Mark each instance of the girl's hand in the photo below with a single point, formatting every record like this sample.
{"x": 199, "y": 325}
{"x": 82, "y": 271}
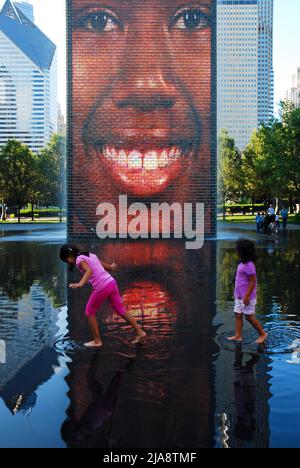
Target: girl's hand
{"x": 75, "y": 286}
{"x": 247, "y": 300}
{"x": 114, "y": 267}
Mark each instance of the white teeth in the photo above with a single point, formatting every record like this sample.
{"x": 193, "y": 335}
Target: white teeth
{"x": 135, "y": 160}
{"x": 151, "y": 161}
{"x": 122, "y": 158}
{"x": 173, "y": 153}
{"x": 178, "y": 153}
{"x": 163, "y": 159}
{"x": 109, "y": 153}
{"x": 113, "y": 153}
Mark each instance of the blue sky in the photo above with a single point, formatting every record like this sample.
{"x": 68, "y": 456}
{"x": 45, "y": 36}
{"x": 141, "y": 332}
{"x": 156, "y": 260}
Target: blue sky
{"x": 286, "y": 44}
{"x": 50, "y": 17}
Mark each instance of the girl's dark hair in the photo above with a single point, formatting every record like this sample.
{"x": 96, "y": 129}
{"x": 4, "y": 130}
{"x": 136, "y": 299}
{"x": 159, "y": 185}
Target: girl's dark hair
{"x": 68, "y": 250}
{"x": 246, "y": 250}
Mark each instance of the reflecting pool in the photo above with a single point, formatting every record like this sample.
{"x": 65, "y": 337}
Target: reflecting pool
{"x": 185, "y": 386}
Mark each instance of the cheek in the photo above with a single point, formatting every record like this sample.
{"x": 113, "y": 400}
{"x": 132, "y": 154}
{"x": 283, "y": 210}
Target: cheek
{"x": 191, "y": 59}
{"x": 95, "y": 62}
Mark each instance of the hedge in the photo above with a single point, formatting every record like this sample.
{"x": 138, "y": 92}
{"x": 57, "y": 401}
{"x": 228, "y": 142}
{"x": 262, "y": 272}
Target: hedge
{"x": 234, "y": 209}
{"x": 297, "y": 218}
{"x": 42, "y": 213}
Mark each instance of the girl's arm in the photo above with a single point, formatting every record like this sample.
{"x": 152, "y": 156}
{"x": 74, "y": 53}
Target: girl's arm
{"x": 250, "y": 289}
{"x": 109, "y": 267}
{"x": 85, "y": 278}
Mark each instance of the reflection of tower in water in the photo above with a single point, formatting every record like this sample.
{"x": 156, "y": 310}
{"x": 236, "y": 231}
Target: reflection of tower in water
{"x": 31, "y": 319}
{"x": 29, "y": 354}
{"x": 158, "y": 394}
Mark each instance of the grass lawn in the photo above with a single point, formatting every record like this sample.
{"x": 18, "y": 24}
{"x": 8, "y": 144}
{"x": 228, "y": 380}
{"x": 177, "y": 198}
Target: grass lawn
{"x": 237, "y": 218}
{"x": 247, "y": 219}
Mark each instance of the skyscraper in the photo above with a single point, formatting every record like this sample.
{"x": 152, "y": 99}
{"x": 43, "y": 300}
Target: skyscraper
{"x": 61, "y": 124}
{"x": 28, "y": 79}
{"x": 245, "y": 67}
{"x": 265, "y": 61}
{"x": 26, "y": 8}
{"x": 295, "y": 90}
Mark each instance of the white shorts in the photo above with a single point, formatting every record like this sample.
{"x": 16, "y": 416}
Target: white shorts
{"x": 241, "y": 308}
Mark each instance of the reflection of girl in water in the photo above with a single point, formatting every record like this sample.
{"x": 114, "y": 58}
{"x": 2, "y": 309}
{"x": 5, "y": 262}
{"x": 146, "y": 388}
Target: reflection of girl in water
{"x": 104, "y": 287}
{"x": 245, "y": 395}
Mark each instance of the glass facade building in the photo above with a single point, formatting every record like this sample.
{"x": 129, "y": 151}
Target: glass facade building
{"x": 28, "y": 80}
{"x": 265, "y": 61}
{"x": 295, "y": 90}
{"x": 245, "y": 67}
{"x": 26, "y": 8}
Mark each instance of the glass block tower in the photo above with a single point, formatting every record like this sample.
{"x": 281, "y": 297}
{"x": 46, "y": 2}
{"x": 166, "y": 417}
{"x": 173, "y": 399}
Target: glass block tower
{"x": 245, "y": 67}
{"x": 28, "y": 80}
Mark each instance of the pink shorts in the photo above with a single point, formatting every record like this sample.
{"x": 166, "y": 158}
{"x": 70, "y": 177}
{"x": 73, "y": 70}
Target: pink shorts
{"x": 109, "y": 292}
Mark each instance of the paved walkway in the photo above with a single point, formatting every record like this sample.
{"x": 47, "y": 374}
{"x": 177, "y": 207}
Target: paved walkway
{"x": 32, "y": 226}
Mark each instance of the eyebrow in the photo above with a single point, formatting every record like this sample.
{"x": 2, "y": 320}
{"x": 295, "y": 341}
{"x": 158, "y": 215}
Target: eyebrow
{"x": 79, "y": 6}
{"x": 206, "y": 3}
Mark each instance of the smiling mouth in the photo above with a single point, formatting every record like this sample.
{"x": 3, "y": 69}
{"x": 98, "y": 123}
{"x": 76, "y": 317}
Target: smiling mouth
{"x": 144, "y": 171}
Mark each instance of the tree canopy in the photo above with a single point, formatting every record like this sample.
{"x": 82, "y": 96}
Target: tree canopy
{"x": 269, "y": 167}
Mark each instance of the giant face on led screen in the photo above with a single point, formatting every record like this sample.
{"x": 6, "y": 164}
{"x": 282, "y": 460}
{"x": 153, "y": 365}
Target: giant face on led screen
{"x": 141, "y": 121}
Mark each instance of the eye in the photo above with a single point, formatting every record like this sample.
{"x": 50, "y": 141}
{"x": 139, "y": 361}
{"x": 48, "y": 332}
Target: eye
{"x": 191, "y": 20}
{"x": 101, "y": 21}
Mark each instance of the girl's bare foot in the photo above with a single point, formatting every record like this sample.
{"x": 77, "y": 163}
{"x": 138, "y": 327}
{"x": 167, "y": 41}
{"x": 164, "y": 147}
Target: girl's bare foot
{"x": 94, "y": 344}
{"x": 139, "y": 337}
{"x": 235, "y": 338}
{"x": 262, "y": 339}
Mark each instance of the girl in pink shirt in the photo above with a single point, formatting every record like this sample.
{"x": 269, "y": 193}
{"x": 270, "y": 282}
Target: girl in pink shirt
{"x": 245, "y": 291}
{"x": 104, "y": 286}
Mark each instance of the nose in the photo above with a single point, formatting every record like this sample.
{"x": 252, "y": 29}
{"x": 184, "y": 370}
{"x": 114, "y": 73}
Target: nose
{"x": 145, "y": 80}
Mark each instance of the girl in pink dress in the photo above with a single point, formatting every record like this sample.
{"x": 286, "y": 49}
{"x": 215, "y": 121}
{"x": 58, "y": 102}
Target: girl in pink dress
{"x": 104, "y": 286}
{"x": 245, "y": 291}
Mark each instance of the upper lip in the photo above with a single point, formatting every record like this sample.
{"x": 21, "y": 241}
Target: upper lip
{"x": 144, "y": 139}
{"x": 130, "y": 129}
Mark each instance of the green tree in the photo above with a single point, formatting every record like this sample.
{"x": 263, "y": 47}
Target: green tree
{"x": 18, "y": 170}
{"x": 271, "y": 160}
{"x": 34, "y": 189}
{"x": 230, "y": 176}
{"x": 289, "y": 163}
{"x": 269, "y": 166}
{"x": 52, "y": 168}
{"x": 260, "y": 164}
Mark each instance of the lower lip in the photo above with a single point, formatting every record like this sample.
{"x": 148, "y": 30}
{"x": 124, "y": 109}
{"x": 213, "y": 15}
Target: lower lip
{"x": 143, "y": 173}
